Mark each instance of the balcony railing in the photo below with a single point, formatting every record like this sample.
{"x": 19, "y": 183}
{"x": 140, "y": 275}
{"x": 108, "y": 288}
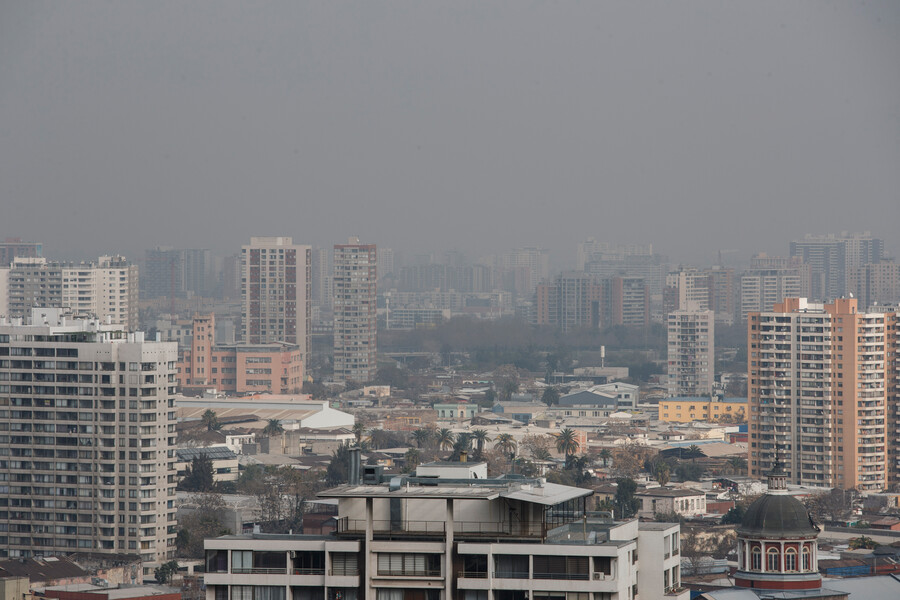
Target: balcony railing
{"x": 346, "y": 525}
{"x": 260, "y": 571}
{"x": 309, "y": 571}
{"x": 472, "y": 574}
{"x": 565, "y": 576}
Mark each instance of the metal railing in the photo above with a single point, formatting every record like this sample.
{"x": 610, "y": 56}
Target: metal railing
{"x": 309, "y": 571}
{"x": 564, "y": 576}
{"x": 346, "y": 525}
{"x": 472, "y": 575}
{"x": 260, "y": 571}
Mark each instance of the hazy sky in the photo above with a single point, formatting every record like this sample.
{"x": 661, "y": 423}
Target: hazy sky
{"x": 433, "y": 125}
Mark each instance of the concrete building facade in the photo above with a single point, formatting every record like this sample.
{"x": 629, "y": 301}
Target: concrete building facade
{"x": 88, "y": 458}
{"x": 691, "y": 352}
{"x": 107, "y": 288}
{"x": 486, "y": 540}
{"x": 275, "y": 292}
{"x": 823, "y": 393}
{"x": 355, "y": 311}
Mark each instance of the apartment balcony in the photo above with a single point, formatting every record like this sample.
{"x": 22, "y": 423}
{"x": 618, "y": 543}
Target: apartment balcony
{"x": 386, "y": 529}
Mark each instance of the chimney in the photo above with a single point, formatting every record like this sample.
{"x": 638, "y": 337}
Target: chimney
{"x": 463, "y": 456}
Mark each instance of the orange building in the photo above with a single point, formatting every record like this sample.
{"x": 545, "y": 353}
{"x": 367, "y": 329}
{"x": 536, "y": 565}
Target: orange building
{"x": 822, "y": 387}
{"x": 237, "y": 368}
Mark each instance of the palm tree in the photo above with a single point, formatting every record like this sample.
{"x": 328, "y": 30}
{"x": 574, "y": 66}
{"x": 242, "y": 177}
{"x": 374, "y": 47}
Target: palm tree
{"x": 694, "y": 451}
{"x": 445, "y": 438}
{"x": 273, "y": 427}
{"x": 506, "y": 442}
{"x": 567, "y": 444}
{"x": 605, "y": 455}
{"x": 211, "y": 421}
{"x": 422, "y": 437}
{"x": 480, "y": 436}
{"x": 737, "y": 464}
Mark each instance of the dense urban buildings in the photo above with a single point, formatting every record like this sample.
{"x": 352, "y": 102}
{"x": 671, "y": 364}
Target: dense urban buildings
{"x": 692, "y": 352}
{"x": 355, "y": 311}
{"x": 106, "y": 288}
{"x": 87, "y": 460}
{"x": 771, "y": 279}
{"x": 275, "y": 292}
{"x": 823, "y": 392}
{"x": 830, "y": 259}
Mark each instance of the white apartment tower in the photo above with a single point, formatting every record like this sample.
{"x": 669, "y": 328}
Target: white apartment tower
{"x": 355, "y": 275}
{"x": 87, "y": 457}
{"x": 275, "y": 292}
{"x": 692, "y": 352}
{"x": 107, "y": 288}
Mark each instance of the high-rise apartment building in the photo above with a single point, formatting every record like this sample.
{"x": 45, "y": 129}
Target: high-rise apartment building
{"x": 831, "y": 258}
{"x": 570, "y": 302}
{"x": 173, "y": 272}
{"x": 533, "y": 265}
{"x": 875, "y": 284}
{"x": 769, "y": 280}
{"x": 275, "y": 288}
{"x": 822, "y": 382}
{"x": 12, "y": 248}
{"x": 355, "y": 276}
{"x": 692, "y": 352}
{"x": 106, "y": 289}
{"x": 87, "y": 457}
{"x": 320, "y": 278}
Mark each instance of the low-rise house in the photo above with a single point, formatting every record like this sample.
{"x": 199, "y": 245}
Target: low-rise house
{"x": 683, "y": 502}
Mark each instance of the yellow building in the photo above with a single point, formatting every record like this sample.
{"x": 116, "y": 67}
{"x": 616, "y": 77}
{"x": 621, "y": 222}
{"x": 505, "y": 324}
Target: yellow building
{"x": 680, "y": 409}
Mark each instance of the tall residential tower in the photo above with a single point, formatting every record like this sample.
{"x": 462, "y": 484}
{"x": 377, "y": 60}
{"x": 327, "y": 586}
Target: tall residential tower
{"x": 355, "y": 275}
{"x": 822, "y": 382}
{"x": 275, "y": 289}
{"x": 87, "y": 460}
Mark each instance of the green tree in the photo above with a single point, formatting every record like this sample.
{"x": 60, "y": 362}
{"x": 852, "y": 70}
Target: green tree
{"x": 662, "y": 473}
{"x": 550, "y": 396}
{"x": 506, "y": 443}
{"x": 693, "y": 452}
{"x": 604, "y": 455}
{"x": 445, "y": 438}
{"x": 490, "y": 396}
{"x": 462, "y": 444}
{"x": 198, "y": 476}
{"x": 862, "y": 542}
{"x": 567, "y": 444}
{"x": 391, "y": 375}
{"x": 689, "y": 471}
{"x": 165, "y": 572}
{"x": 624, "y": 501}
{"x": 734, "y": 516}
{"x": 203, "y": 518}
{"x": 480, "y": 437}
{"x": 338, "y": 470}
{"x": 737, "y": 464}
{"x": 412, "y": 459}
{"x": 359, "y": 428}
{"x": 316, "y": 390}
{"x": 211, "y": 421}
{"x": 423, "y": 437}
{"x": 273, "y": 427}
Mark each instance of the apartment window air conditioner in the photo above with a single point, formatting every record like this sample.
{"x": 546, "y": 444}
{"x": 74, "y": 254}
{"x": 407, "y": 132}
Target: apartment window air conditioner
{"x": 598, "y": 576}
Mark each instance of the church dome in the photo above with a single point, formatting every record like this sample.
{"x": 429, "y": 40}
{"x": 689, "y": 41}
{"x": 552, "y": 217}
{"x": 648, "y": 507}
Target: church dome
{"x": 778, "y": 517}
